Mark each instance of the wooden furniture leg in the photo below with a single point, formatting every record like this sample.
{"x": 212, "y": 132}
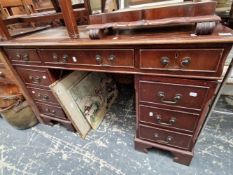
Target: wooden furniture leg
{"x": 69, "y": 18}
{"x": 184, "y": 159}
{"x": 179, "y": 156}
{"x": 5, "y": 35}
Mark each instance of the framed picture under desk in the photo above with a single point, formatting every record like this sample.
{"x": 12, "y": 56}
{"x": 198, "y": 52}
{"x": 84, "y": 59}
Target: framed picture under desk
{"x": 176, "y": 75}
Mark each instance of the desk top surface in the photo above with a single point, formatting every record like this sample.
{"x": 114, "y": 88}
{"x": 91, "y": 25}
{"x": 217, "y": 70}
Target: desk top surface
{"x": 59, "y": 37}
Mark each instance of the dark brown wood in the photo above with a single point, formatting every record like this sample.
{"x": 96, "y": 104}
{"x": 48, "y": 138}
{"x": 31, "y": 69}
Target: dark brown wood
{"x": 139, "y": 54}
{"x": 175, "y": 93}
{"x": 91, "y": 57}
{"x": 42, "y": 95}
{"x": 69, "y": 18}
{"x": 4, "y": 33}
{"x": 51, "y": 110}
{"x": 56, "y": 5}
{"x": 87, "y": 6}
{"x": 164, "y": 137}
{"x": 190, "y": 61}
{"x": 39, "y": 77}
{"x": 28, "y": 56}
{"x": 183, "y": 10}
{"x": 200, "y": 13}
{"x": 167, "y": 118}
{"x": 180, "y": 156}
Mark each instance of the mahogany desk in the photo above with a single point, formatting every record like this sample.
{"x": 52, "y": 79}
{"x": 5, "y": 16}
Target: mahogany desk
{"x": 176, "y": 77}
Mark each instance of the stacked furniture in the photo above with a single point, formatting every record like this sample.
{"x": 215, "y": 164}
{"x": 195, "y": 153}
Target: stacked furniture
{"x": 177, "y": 75}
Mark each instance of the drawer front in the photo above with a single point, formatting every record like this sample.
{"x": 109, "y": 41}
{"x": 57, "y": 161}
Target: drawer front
{"x": 189, "y": 60}
{"x": 168, "y": 118}
{"x": 23, "y": 56}
{"x": 5, "y": 75}
{"x": 165, "y": 137}
{"x": 91, "y": 57}
{"x": 182, "y": 95}
{"x": 52, "y": 111}
{"x": 43, "y": 95}
{"x": 34, "y": 77}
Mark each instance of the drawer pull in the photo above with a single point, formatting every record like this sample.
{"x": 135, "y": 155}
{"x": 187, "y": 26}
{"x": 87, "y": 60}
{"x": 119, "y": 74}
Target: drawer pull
{"x": 174, "y": 101}
{"x": 98, "y": 59}
{"x": 50, "y": 111}
{"x": 36, "y": 79}
{"x": 65, "y": 58}
{"x": 171, "y": 122}
{"x": 45, "y": 97}
{"x": 168, "y": 140}
{"x": 165, "y": 61}
{"x": 18, "y": 56}
{"x": 25, "y": 57}
{"x": 53, "y": 111}
{"x": 186, "y": 61}
{"x": 112, "y": 58}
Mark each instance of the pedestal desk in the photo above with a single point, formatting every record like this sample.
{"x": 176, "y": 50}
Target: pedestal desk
{"x": 176, "y": 77}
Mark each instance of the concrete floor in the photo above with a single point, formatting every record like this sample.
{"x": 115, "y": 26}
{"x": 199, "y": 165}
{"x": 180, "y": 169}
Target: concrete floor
{"x": 45, "y": 150}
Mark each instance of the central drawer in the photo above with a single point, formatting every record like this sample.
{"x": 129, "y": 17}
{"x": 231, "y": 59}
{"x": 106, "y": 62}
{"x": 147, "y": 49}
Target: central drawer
{"x": 165, "y": 137}
{"x": 179, "y": 93}
{"x": 89, "y": 57}
{"x": 191, "y": 61}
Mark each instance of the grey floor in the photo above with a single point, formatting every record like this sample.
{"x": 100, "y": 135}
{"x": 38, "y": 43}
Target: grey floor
{"x": 46, "y": 150}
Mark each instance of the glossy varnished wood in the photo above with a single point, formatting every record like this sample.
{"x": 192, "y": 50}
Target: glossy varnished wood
{"x": 188, "y": 61}
{"x": 51, "y": 110}
{"x": 167, "y": 118}
{"x": 42, "y": 95}
{"x": 89, "y": 57}
{"x": 23, "y": 56}
{"x": 138, "y": 53}
{"x": 59, "y": 37}
{"x": 175, "y": 93}
{"x": 165, "y": 137}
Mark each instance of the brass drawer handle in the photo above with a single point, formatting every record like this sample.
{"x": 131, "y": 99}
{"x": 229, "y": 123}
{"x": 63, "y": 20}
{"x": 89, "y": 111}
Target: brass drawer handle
{"x": 50, "y": 111}
{"x": 36, "y": 79}
{"x": 112, "y": 58}
{"x": 65, "y": 58}
{"x": 171, "y": 122}
{"x": 25, "y": 57}
{"x": 175, "y": 100}
{"x": 168, "y": 140}
{"x": 98, "y": 59}
{"x": 186, "y": 61}
{"x": 158, "y": 118}
{"x": 45, "y": 97}
{"x": 18, "y": 56}
{"x": 165, "y": 61}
